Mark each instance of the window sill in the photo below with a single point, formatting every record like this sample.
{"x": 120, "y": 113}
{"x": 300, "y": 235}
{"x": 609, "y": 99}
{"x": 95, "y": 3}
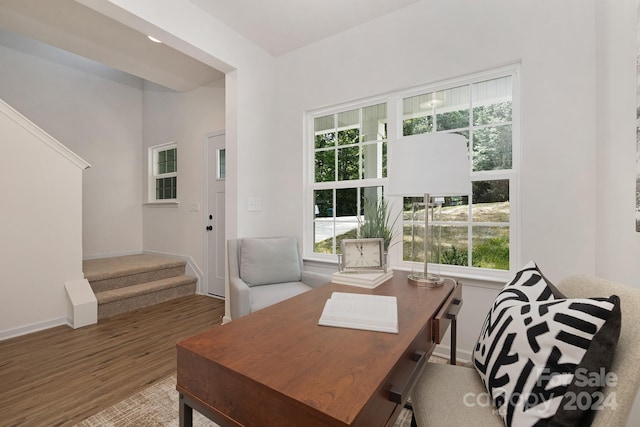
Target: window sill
{"x": 490, "y": 279}
{"x": 167, "y": 204}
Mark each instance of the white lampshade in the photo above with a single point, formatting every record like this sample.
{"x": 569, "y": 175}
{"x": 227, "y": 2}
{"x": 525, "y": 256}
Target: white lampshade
{"x": 433, "y": 163}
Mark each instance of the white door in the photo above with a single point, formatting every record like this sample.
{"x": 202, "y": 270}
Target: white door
{"x": 215, "y": 214}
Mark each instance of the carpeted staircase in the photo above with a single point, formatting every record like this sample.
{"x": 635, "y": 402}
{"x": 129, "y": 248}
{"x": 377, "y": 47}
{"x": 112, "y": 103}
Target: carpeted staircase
{"x": 126, "y": 283}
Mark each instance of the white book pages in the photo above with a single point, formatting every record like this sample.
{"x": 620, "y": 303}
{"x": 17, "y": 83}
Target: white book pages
{"x": 360, "y": 311}
{"x": 363, "y": 280}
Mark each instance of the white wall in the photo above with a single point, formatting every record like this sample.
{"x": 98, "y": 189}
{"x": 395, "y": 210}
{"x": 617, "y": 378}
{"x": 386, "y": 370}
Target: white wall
{"x": 97, "y": 113}
{"x": 46, "y": 206}
{"x": 185, "y": 118}
{"x": 618, "y": 245}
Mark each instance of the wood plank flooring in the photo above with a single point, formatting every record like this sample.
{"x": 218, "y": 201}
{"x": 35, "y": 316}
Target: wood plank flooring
{"x": 61, "y": 376}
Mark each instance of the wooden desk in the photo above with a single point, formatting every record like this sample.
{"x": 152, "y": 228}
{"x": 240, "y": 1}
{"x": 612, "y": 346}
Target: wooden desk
{"x": 277, "y": 367}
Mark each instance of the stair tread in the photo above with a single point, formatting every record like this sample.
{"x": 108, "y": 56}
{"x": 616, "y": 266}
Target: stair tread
{"x": 143, "y": 288}
{"x": 108, "y": 268}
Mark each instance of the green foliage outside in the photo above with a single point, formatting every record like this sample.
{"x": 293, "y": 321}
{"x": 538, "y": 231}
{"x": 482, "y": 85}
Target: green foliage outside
{"x": 491, "y": 130}
{"x": 490, "y": 253}
{"x": 490, "y": 244}
{"x": 377, "y": 221}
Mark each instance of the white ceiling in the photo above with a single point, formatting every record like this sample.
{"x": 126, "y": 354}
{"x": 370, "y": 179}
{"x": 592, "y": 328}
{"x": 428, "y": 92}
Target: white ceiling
{"x": 280, "y": 26}
{"x": 277, "y": 26}
{"x": 73, "y": 27}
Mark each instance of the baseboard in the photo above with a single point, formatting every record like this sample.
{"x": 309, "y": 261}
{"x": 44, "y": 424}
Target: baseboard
{"x": 444, "y": 351}
{"x": 34, "y": 327}
{"x": 110, "y": 255}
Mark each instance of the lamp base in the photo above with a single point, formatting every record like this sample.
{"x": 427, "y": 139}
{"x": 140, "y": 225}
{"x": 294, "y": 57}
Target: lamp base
{"x": 426, "y": 280}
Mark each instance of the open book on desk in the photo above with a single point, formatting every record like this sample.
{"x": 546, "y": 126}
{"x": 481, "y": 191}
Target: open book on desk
{"x": 361, "y": 311}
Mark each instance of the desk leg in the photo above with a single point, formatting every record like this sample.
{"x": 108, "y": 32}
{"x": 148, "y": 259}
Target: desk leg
{"x": 454, "y": 336}
{"x": 186, "y": 413}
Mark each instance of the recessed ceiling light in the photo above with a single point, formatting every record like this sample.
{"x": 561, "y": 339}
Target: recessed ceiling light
{"x": 153, "y": 39}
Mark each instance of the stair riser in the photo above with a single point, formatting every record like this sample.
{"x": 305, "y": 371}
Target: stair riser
{"x": 135, "y": 279}
{"x": 145, "y": 300}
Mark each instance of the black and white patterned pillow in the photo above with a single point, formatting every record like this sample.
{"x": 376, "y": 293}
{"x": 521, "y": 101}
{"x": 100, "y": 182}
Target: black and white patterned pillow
{"x": 532, "y": 343}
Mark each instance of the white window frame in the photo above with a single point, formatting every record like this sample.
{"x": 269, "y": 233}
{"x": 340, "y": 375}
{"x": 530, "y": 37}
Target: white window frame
{"x": 512, "y": 175}
{"x": 309, "y": 168}
{"x": 394, "y": 133}
{"x": 153, "y": 174}
{"x": 221, "y": 169}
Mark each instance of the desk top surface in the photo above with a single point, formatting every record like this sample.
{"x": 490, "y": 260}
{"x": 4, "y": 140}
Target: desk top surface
{"x": 334, "y": 370}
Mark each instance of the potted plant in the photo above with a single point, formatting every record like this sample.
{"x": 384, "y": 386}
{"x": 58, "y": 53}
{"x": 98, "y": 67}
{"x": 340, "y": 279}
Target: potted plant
{"x": 376, "y": 221}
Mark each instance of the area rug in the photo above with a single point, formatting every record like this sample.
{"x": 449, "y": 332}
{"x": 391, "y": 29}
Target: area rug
{"x": 157, "y": 405}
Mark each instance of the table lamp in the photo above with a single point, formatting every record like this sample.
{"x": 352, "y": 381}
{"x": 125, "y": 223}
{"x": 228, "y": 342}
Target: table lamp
{"x": 425, "y": 164}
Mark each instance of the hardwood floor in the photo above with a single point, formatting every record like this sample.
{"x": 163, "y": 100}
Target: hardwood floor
{"x": 61, "y": 376}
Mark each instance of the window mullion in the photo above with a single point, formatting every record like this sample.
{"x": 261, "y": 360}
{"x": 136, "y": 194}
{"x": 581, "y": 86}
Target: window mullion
{"x": 336, "y": 151}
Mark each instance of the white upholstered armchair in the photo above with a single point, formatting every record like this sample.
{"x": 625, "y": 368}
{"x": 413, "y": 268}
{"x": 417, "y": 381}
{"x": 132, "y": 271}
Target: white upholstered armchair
{"x": 264, "y": 271}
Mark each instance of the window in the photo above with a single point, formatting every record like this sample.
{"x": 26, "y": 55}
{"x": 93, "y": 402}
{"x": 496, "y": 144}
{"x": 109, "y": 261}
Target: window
{"x": 163, "y": 169}
{"x": 222, "y": 163}
{"x": 475, "y": 231}
{"x": 347, "y": 163}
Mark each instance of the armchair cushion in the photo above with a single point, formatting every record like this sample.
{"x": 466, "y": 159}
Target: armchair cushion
{"x": 536, "y": 345}
{"x": 264, "y": 271}
{"x": 267, "y": 261}
{"x": 264, "y": 296}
